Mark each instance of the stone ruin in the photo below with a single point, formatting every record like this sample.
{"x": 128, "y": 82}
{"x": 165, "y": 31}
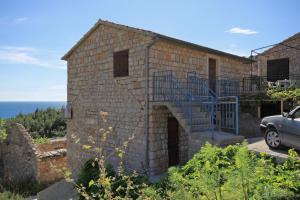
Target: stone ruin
{"x": 22, "y": 160}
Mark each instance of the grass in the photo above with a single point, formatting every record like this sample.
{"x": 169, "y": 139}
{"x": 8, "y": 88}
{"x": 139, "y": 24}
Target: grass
{"x": 17, "y": 191}
{"x": 7, "y": 195}
{"x": 41, "y": 140}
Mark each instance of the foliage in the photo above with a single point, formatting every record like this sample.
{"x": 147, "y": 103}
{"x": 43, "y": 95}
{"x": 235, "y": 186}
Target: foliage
{"x": 43, "y": 123}
{"x": 278, "y": 93}
{"x": 214, "y": 173}
{"x": 16, "y": 191}
{"x": 41, "y": 140}
{"x": 96, "y": 179}
{"x": 6, "y": 195}
{"x": 3, "y": 133}
{"x": 105, "y": 183}
{"x": 234, "y": 173}
{"x": 231, "y": 173}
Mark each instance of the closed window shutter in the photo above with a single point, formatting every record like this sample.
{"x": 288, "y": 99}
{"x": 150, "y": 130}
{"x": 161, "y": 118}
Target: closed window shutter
{"x": 278, "y": 69}
{"x": 121, "y": 63}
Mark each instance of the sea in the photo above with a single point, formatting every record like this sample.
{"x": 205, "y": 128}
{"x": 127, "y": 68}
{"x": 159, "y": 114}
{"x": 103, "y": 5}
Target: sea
{"x": 12, "y": 109}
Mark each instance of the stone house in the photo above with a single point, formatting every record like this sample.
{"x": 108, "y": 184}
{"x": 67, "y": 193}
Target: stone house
{"x": 281, "y": 61}
{"x": 140, "y": 79}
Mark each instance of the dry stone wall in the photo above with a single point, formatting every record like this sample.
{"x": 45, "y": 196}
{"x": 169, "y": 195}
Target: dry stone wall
{"x": 23, "y": 160}
{"x": 19, "y": 155}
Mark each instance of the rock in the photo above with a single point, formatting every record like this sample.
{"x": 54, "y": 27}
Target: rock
{"x": 59, "y": 191}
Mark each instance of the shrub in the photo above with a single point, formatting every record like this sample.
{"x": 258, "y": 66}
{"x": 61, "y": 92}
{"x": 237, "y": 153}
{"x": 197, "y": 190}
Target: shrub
{"x": 6, "y": 195}
{"x": 104, "y": 183}
{"x": 43, "y": 123}
{"x": 3, "y": 133}
{"x": 19, "y": 190}
{"x": 234, "y": 173}
{"x": 41, "y": 140}
{"x": 279, "y": 93}
{"x": 214, "y": 173}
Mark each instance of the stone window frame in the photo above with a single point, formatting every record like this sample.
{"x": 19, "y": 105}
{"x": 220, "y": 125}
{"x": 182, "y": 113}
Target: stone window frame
{"x": 121, "y": 63}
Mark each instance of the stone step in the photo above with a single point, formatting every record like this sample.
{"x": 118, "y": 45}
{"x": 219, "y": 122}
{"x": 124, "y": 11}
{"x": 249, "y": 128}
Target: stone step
{"x": 200, "y": 127}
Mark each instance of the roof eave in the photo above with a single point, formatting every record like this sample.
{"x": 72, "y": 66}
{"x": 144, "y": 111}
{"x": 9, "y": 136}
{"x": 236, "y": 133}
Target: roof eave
{"x": 205, "y": 49}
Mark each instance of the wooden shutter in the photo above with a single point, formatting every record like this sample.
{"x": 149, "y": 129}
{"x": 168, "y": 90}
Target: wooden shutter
{"x": 121, "y": 63}
{"x": 278, "y": 69}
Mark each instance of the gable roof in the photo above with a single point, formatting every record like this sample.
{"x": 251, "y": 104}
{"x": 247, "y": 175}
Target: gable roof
{"x": 154, "y": 35}
{"x": 291, "y": 38}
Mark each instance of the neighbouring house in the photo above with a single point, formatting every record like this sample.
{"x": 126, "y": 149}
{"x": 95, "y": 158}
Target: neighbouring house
{"x": 282, "y": 60}
{"x": 279, "y": 63}
{"x": 169, "y": 96}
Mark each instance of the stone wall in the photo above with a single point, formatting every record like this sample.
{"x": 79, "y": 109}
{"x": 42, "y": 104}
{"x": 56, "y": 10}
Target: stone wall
{"x": 281, "y": 51}
{"x": 165, "y": 55}
{"x": 158, "y": 147}
{"x": 92, "y": 89}
{"x": 51, "y": 166}
{"x": 23, "y": 160}
{"x": 19, "y": 155}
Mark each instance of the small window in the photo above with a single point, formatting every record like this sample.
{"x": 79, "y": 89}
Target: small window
{"x": 121, "y": 63}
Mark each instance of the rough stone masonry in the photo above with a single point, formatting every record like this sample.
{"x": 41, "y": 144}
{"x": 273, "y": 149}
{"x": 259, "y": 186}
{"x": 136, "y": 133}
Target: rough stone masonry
{"x": 92, "y": 89}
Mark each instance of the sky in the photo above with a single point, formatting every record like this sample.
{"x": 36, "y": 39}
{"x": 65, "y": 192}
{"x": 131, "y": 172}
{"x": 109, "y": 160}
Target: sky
{"x": 34, "y": 34}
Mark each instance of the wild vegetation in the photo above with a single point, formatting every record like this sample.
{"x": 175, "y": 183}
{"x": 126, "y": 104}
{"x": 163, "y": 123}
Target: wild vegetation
{"x": 42, "y": 123}
{"x": 278, "y": 94}
{"x": 18, "y": 191}
{"x": 3, "y": 133}
{"x": 213, "y": 173}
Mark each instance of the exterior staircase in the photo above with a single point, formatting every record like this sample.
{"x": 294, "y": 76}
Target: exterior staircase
{"x": 202, "y": 113}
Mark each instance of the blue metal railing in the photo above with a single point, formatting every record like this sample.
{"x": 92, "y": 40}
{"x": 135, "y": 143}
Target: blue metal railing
{"x": 204, "y": 108}
{"x": 227, "y": 87}
{"x": 167, "y": 88}
{"x": 224, "y": 115}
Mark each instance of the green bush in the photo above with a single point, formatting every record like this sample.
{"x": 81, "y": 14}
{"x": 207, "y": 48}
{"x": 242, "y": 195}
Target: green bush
{"x": 215, "y": 173}
{"x": 41, "y": 140}
{"x": 279, "y": 93}
{"x": 94, "y": 180}
{"x": 6, "y": 195}
{"x": 19, "y": 190}
{"x": 43, "y": 123}
{"x": 3, "y": 133}
{"x": 234, "y": 173}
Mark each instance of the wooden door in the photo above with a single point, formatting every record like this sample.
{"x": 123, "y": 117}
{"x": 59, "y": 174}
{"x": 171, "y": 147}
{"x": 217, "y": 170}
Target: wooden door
{"x": 173, "y": 141}
{"x": 212, "y": 74}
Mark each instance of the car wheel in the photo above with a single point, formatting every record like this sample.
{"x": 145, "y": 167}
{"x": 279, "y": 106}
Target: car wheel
{"x": 272, "y": 138}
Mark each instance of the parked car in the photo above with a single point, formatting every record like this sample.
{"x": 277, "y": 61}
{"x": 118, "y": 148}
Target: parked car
{"x": 282, "y": 130}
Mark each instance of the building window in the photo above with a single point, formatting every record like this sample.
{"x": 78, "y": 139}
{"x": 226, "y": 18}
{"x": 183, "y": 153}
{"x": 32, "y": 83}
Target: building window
{"x": 121, "y": 63}
{"x": 278, "y": 69}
